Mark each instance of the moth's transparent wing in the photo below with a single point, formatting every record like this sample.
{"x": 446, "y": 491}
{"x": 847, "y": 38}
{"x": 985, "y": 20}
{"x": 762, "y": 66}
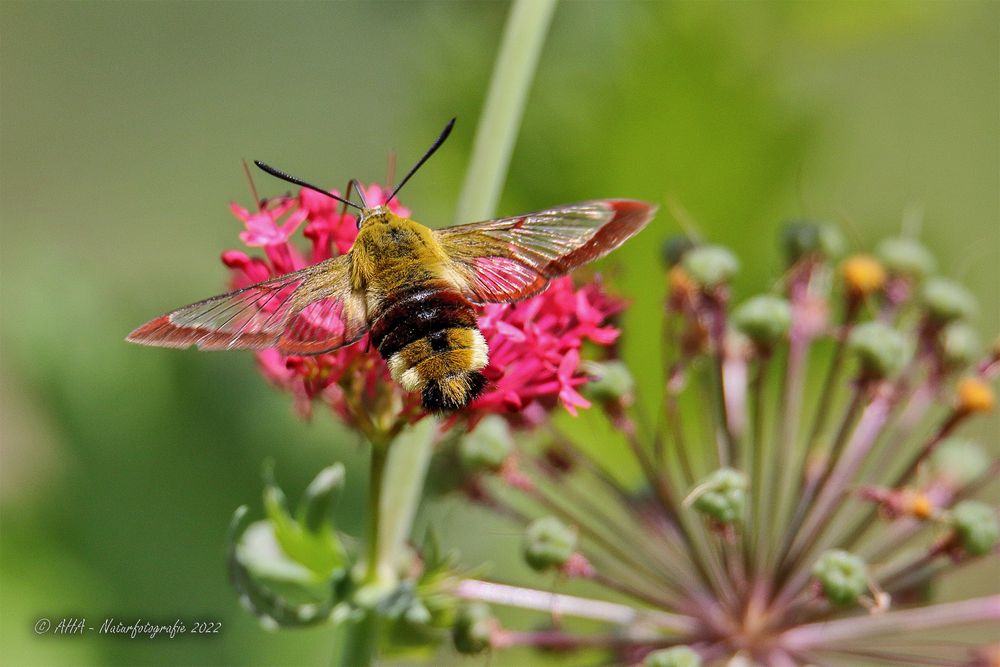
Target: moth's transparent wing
{"x": 305, "y": 312}
{"x": 513, "y": 258}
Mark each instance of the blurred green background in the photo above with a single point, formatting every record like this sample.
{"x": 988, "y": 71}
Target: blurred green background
{"x": 121, "y": 130}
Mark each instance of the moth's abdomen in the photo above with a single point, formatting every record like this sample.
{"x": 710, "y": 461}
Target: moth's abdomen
{"x": 429, "y": 337}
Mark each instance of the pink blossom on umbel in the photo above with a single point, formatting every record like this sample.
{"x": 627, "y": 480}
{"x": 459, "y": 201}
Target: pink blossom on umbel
{"x": 535, "y": 345}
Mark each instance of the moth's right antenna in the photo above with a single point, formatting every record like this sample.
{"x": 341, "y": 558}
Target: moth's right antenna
{"x": 430, "y": 151}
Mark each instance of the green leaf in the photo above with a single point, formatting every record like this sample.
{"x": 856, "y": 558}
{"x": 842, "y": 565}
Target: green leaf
{"x": 319, "y": 551}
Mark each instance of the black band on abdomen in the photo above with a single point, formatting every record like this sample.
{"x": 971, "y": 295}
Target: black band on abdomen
{"x": 416, "y": 314}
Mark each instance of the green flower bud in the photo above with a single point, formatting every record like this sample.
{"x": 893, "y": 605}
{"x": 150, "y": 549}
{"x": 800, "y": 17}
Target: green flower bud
{"x": 842, "y": 575}
{"x": 960, "y": 343}
{"x": 976, "y": 525}
{"x": 946, "y": 300}
{"x": 800, "y": 238}
{"x": 677, "y": 656}
{"x": 906, "y": 257}
{"x": 765, "y": 319}
{"x": 675, "y": 247}
{"x": 881, "y": 349}
{"x": 613, "y": 380}
{"x": 710, "y": 265}
{"x": 487, "y": 447}
{"x": 316, "y": 507}
{"x": 548, "y": 543}
{"x": 722, "y": 496}
{"x": 960, "y": 461}
{"x": 472, "y": 631}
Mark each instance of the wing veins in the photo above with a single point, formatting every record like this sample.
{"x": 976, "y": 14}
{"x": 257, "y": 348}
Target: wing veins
{"x": 260, "y": 307}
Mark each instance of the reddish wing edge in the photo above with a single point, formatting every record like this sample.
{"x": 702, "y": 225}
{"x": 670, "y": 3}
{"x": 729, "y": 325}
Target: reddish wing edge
{"x": 536, "y": 247}
{"x": 161, "y": 332}
{"x": 630, "y": 216}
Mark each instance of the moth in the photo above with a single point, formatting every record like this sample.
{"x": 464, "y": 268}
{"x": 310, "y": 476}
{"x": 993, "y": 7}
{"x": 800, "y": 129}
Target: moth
{"x": 411, "y": 288}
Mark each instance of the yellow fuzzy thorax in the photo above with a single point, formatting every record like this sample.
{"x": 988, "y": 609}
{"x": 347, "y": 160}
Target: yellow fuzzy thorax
{"x": 392, "y": 252}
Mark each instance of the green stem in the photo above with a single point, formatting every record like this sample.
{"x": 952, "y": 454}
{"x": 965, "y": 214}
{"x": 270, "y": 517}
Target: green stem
{"x": 814, "y": 483}
{"x": 520, "y": 48}
{"x": 830, "y": 385}
{"x": 358, "y": 641}
{"x": 403, "y": 483}
{"x": 396, "y": 479}
{"x": 380, "y": 454}
{"x": 759, "y": 453}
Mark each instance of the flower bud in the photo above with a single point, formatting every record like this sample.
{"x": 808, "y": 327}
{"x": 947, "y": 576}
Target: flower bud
{"x": 710, "y": 265}
{"x": 488, "y": 446}
{"x": 976, "y": 526}
{"x": 918, "y": 505}
{"x": 765, "y": 319}
{"x": 959, "y": 461}
{"x": 960, "y": 343}
{"x": 316, "y": 507}
{"x": 881, "y": 350}
{"x": 801, "y": 238}
{"x": 946, "y": 300}
{"x": 472, "y": 631}
{"x": 863, "y": 275}
{"x": 722, "y": 496}
{"x": 676, "y": 656}
{"x": 612, "y": 382}
{"x": 907, "y": 257}
{"x": 842, "y": 575}
{"x": 675, "y": 247}
{"x": 548, "y": 543}
{"x": 975, "y": 395}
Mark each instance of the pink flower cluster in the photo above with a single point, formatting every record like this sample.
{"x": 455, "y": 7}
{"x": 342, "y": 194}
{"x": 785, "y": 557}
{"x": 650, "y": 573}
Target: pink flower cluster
{"x": 535, "y": 348}
{"x": 534, "y": 345}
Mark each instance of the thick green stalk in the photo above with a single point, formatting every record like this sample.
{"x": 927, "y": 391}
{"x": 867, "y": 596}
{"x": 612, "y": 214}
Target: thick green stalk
{"x": 358, "y": 642}
{"x": 380, "y": 453}
{"x": 520, "y": 48}
{"x": 402, "y": 486}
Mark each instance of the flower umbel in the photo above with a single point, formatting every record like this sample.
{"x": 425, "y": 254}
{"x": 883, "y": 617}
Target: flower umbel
{"x": 775, "y": 526}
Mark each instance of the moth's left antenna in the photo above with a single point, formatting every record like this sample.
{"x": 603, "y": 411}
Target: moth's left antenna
{"x": 297, "y": 181}
{"x": 430, "y": 151}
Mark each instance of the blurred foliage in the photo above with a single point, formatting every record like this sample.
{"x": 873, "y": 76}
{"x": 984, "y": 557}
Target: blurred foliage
{"x": 121, "y": 130}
